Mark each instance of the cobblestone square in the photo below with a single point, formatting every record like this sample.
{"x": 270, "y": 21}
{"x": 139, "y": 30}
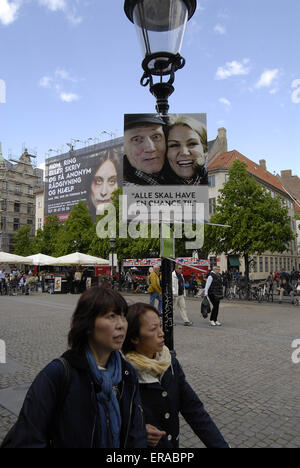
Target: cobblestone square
{"x": 243, "y": 371}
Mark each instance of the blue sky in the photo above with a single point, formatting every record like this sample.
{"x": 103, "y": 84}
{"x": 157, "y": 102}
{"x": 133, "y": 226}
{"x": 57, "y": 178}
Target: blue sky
{"x": 71, "y": 69}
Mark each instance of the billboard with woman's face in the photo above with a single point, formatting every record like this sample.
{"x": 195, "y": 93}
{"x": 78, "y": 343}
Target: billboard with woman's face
{"x": 90, "y": 174}
{"x": 165, "y": 160}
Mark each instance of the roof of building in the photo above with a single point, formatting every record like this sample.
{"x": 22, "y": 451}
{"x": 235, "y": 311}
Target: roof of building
{"x": 226, "y": 160}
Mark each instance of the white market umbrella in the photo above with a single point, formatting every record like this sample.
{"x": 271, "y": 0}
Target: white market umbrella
{"x": 14, "y": 259}
{"x": 78, "y": 258}
{"x": 41, "y": 259}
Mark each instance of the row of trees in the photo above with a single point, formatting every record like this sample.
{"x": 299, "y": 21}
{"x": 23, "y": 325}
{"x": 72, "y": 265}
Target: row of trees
{"x": 258, "y": 223}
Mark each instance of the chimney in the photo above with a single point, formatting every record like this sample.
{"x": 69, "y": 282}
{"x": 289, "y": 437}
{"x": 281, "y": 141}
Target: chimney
{"x": 222, "y": 140}
{"x": 287, "y": 173}
{"x": 263, "y": 164}
{"x": 2, "y": 162}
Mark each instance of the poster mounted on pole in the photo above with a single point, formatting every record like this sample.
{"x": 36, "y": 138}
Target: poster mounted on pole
{"x": 165, "y": 167}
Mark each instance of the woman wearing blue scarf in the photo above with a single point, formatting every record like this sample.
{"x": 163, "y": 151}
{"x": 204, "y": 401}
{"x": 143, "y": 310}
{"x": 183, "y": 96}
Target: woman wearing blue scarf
{"x": 101, "y": 406}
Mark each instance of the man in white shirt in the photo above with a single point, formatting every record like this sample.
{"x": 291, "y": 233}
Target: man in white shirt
{"x": 179, "y": 294}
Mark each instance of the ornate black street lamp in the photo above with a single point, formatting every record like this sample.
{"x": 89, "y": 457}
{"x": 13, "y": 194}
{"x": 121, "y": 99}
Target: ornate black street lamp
{"x": 160, "y": 25}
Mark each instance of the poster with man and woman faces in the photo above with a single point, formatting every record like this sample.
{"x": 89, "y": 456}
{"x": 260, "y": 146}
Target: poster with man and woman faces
{"x": 165, "y": 164}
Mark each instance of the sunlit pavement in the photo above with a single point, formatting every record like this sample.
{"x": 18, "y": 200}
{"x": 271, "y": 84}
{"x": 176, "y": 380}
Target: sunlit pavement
{"x": 243, "y": 371}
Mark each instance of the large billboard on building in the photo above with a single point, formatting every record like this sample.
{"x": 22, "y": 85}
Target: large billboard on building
{"x": 90, "y": 174}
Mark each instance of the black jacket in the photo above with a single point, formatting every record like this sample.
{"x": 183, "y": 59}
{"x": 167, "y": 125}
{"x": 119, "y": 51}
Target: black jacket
{"x": 77, "y": 424}
{"x": 162, "y": 403}
{"x": 216, "y": 287}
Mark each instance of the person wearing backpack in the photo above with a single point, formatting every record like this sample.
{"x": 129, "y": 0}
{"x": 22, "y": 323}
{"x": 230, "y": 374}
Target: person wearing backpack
{"x": 214, "y": 290}
{"x": 101, "y": 406}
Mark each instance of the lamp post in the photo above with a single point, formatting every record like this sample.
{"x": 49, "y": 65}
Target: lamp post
{"x": 160, "y": 26}
{"x": 112, "y": 243}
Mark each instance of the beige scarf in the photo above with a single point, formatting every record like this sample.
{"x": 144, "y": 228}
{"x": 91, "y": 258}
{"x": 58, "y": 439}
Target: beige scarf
{"x": 149, "y": 370}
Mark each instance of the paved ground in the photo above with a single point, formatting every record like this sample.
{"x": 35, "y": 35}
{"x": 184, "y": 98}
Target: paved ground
{"x": 242, "y": 371}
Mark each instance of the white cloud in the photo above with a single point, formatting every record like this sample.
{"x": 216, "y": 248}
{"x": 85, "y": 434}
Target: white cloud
{"x": 220, "y": 29}
{"x": 233, "y": 68}
{"x": 54, "y": 5}
{"x": 296, "y": 92}
{"x": 62, "y": 74}
{"x": 45, "y": 82}
{"x": 58, "y": 82}
{"x": 63, "y": 6}
{"x": 267, "y": 78}
{"x": 69, "y": 97}
{"x": 226, "y": 103}
{"x": 9, "y": 11}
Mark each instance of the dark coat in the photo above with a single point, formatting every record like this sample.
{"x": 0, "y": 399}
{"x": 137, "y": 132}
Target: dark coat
{"x": 162, "y": 403}
{"x": 77, "y": 424}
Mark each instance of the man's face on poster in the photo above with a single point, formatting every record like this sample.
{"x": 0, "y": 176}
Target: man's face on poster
{"x": 145, "y": 148}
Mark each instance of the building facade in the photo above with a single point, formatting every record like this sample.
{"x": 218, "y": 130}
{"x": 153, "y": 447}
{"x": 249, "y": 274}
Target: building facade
{"x": 18, "y": 183}
{"x": 267, "y": 262}
{"x": 39, "y": 209}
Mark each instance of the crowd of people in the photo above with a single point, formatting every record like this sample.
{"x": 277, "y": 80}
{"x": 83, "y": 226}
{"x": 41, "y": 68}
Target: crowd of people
{"x": 17, "y": 282}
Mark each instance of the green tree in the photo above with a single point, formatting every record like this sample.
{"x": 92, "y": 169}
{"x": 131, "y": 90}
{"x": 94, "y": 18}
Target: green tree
{"x": 23, "y": 242}
{"x": 45, "y": 240}
{"x": 77, "y": 233}
{"x": 258, "y": 221}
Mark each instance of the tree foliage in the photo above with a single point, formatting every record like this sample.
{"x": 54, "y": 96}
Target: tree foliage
{"x": 258, "y": 221}
{"x": 23, "y": 242}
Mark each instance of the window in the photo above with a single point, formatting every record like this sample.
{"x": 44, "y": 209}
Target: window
{"x": 18, "y": 188}
{"x": 254, "y": 265}
{"x": 284, "y": 263}
{"x": 272, "y": 264}
{"x": 39, "y": 202}
{"x": 3, "y": 223}
{"x": 30, "y": 190}
{"x": 227, "y": 177}
{"x": 261, "y": 265}
{"x": 17, "y": 207}
{"x": 4, "y": 185}
{"x": 276, "y": 263}
{"x": 266, "y": 264}
{"x": 280, "y": 263}
{"x": 3, "y": 205}
{"x": 289, "y": 264}
{"x": 29, "y": 221}
{"x": 16, "y": 224}
{"x": 40, "y": 224}
{"x": 212, "y": 205}
{"x": 30, "y": 209}
{"x": 211, "y": 181}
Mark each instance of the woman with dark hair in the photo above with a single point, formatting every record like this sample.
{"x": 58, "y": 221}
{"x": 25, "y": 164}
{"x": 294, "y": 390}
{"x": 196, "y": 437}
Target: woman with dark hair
{"x": 164, "y": 390}
{"x": 105, "y": 179}
{"x": 101, "y": 408}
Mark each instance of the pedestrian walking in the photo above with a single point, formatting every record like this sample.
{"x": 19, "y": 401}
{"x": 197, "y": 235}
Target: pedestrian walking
{"x": 285, "y": 289}
{"x": 214, "y": 290}
{"x": 179, "y": 294}
{"x": 102, "y": 406}
{"x": 164, "y": 389}
{"x": 155, "y": 288}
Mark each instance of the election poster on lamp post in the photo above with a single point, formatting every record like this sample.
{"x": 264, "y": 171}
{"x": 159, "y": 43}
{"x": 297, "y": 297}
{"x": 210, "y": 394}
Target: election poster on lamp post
{"x": 165, "y": 174}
